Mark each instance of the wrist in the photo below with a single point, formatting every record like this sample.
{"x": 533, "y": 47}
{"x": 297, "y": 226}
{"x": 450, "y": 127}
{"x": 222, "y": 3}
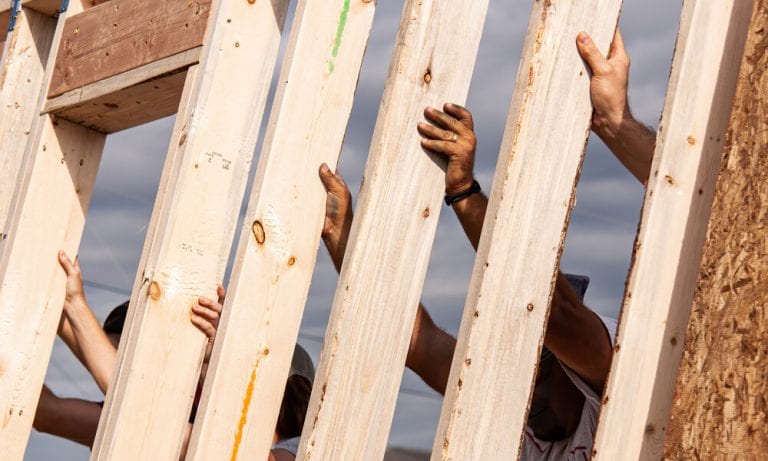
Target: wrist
{"x": 611, "y": 126}
{"x": 460, "y": 185}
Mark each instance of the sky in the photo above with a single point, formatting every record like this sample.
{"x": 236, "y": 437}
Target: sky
{"x": 600, "y": 236}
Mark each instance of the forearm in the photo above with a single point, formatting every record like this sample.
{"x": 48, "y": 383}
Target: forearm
{"x": 72, "y": 419}
{"x": 431, "y": 352}
{"x": 336, "y": 244}
{"x": 577, "y": 336}
{"x": 68, "y": 336}
{"x": 98, "y": 354}
{"x": 632, "y": 143}
{"x": 471, "y": 214}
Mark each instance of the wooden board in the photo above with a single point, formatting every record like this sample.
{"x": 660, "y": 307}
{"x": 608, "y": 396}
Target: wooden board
{"x": 21, "y": 78}
{"x": 124, "y": 34}
{"x": 271, "y": 279}
{"x": 487, "y": 397}
{"x": 49, "y": 217}
{"x": 190, "y": 234}
{"x": 718, "y": 411}
{"x": 363, "y": 357}
{"x": 673, "y": 225}
{"x": 114, "y": 84}
{"x": 5, "y": 19}
{"x": 132, "y": 106}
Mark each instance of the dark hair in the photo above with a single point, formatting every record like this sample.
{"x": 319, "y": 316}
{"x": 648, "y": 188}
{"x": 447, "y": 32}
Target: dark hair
{"x": 113, "y": 325}
{"x": 293, "y": 409}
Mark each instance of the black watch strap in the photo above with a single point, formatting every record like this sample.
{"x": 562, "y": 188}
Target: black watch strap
{"x": 473, "y": 189}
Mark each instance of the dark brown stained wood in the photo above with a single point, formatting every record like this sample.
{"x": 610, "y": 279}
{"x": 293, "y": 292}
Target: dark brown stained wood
{"x": 721, "y": 406}
{"x": 131, "y": 106}
{"x": 124, "y": 34}
{"x": 5, "y": 19}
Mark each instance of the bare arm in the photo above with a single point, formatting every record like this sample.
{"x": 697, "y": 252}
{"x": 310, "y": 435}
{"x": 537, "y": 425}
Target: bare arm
{"x": 93, "y": 347}
{"x": 72, "y": 419}
{"x": 629, "y": 140}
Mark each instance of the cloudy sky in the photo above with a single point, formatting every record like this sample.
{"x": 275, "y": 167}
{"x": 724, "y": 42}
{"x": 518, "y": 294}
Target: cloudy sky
{"x": 599, "y": 239}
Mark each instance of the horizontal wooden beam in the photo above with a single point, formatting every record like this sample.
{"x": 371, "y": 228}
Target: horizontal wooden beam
{"x": 129, "y": 99}
{"x": 113, "y": 38}
{"x": 49, "y": 7}
{"x": 133, "y": 106}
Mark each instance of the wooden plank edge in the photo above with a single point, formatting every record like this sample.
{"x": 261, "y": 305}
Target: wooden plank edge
{"x": 124, "y": 80}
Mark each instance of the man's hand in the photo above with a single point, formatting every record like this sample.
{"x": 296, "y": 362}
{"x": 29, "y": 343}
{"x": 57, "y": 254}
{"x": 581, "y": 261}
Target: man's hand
{"x": 205, "y": 316}
{"x": 608, "y": 85}
{"x": 75, "y": 297}
{"x": 612, "y": 120}
{"x": 338, "y": 214}
{"x": 451, "y": 135}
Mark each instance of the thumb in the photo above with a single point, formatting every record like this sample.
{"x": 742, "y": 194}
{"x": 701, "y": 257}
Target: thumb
{"x": 66, "y": 263}
{"x": 333, "y": 182}
{"x": 221, "y": 293}
{"x": 588, "y": 50}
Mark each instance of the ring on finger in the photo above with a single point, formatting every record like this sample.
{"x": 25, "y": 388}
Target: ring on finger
{"x": 455, "y": 137}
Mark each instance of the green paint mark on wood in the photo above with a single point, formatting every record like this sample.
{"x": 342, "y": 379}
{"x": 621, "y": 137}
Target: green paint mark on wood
{"x": 339, "y": 34}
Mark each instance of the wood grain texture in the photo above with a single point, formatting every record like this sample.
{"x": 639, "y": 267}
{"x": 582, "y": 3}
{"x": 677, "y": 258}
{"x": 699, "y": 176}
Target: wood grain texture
{"x": 5, "y": 19}
{"x": 58, "y": 171}
{"x": 363, "y": 357}
{"x": 50, "y": 215}
{"x": 501, "y": 333}
{"x": 719, "y": 412}
{"x": 270, "y": 281}
{"x": 190, "y": 233}
{"x": 673, "y": 225}
{"x": 124, "y": 34}
{"x": 21, "y": 77}
{"x": 138, "y": 104}
{"x": 116, "y": 83}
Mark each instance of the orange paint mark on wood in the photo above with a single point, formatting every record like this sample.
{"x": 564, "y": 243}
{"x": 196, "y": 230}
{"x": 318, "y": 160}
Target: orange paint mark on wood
{"x": 244, "y": 414}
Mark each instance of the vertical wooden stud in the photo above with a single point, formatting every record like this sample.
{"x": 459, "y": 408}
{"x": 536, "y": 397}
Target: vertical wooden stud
{"x": 487, "y": 396}
{"x": 23, "y": 68}
{"x": 187, "y": 245}
{"x": 674, "y": 222}
{"x": 47, "y": 214}
{"x": 718, "y": 411}
{"x": 363, "y": 356}
{"x": 274, "y": 267}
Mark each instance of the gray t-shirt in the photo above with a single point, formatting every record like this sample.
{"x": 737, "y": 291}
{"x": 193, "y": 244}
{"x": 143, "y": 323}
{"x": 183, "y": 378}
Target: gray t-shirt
{"x": 289, "y": 445}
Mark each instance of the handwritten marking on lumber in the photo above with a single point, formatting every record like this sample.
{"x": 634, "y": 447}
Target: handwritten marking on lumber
{"x": 339, "y": 34}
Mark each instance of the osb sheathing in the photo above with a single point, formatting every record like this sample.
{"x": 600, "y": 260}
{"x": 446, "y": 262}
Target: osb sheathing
{"x": 720, "y": 410}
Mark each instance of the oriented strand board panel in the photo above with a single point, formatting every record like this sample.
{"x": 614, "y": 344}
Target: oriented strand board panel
{"x": 132, "y": 106}
{"x": 124, "y": 34}
{"x": 190, "y": 233}
{"x": 271, "y": 278}
{"x": 719, "y": 408}
{"x": 363, "y": 357}
{"x": 668, "y": 249}
{"x": 49, "y": 217}
{"x": 21, "y": 78}
{"x": 487, "y": 396}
